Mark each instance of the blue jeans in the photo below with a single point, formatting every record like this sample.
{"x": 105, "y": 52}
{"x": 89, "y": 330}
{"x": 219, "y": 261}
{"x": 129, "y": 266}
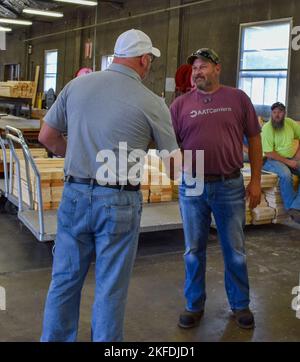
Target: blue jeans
{"x": 226, "y": 200}
{"x": 92, "y": 220}
{"x": 291, "y": 199}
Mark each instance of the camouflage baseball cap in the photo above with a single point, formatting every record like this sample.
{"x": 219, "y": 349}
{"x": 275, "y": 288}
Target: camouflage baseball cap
{"x": 207, "y": 53}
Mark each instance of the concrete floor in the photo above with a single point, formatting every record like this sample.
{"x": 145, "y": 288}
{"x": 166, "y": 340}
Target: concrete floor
{"x": 156, "y": 291}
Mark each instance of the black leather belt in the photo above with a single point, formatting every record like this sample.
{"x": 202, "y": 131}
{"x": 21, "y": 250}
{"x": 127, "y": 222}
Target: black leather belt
{"x": 93, "y": 182}
{"x": 216, "y": 178}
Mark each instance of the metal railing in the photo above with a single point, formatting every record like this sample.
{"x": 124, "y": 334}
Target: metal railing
{"x": 15, "y": 136}
{"x": 4, "y": 158}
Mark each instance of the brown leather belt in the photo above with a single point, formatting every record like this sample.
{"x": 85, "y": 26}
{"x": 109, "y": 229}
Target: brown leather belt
{"x": 216, "y": 178}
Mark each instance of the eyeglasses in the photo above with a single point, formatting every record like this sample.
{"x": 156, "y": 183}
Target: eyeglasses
{"x": 208, "y": 54}
{"x": 152, "y": 57}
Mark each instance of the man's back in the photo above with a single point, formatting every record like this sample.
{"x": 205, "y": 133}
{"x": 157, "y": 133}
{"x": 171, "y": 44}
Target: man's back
{"x": 103, "y": 109}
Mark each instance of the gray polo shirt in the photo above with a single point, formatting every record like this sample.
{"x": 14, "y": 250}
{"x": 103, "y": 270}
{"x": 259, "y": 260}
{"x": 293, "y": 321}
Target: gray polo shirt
{"x": 100, "y": 110}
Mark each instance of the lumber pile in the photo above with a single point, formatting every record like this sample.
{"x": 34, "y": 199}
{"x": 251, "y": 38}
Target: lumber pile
{"x": 271, "y": 208}
{"x": 16, "y": 89}
{"x": 268, "y": 179}
{"x": 156, "y": 185}
{"x": 52, "y": 181}
{"x": 38, "y": 113}
{"x": 274, "y": 200}
{"x": 35, "y": 153}
{"x": 264, "y": 213}
{"x": 273, "y": 197}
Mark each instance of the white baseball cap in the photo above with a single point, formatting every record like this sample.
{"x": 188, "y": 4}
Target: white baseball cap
{"x": 134, "y": 43}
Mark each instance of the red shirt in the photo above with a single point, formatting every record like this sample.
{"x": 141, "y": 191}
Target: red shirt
{"x": 216, "y": 124}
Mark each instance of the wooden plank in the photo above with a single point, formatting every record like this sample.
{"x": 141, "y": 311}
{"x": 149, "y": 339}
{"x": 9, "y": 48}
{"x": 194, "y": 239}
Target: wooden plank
{"x": 36, "y": 81}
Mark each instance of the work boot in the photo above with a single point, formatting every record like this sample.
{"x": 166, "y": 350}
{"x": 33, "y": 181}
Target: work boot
{"x": 294, "y": 214}
{"x": 189, "y": 319}
{"x": 244, "y": 318}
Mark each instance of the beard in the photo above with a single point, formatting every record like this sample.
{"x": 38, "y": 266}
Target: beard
{"x": 278, "y": 124}
{"x": 203, "y": 84}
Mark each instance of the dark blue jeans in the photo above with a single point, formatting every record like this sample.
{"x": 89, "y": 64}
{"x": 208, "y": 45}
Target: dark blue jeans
{"x": 226, "y": 200}
{"x": 101, "y": 221}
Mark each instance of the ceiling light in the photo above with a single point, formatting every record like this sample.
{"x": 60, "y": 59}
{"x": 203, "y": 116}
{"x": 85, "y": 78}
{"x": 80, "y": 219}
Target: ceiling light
{"x": 15, "y": 21}
{"x": 81, "y": 2}
{"x": 43, "y": 12}
{"x": 4, "y": 29}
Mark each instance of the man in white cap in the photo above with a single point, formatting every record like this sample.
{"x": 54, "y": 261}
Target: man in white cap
{"x": 98, "y": 112}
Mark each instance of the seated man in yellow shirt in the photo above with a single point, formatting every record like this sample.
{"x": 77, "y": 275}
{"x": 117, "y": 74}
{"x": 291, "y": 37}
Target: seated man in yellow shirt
{"x": 283, "y": 155}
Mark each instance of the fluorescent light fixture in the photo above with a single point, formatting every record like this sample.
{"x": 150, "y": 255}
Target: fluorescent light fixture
{"x": 79, "y": 2}
{"x": 43, "y": 12}
{"x": 15, "y": 21}
{"x": 4, "y": 29}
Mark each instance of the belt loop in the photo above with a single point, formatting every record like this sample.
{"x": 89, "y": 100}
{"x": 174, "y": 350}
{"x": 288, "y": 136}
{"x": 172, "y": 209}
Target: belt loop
{"x": 67, "y": 178}
{"x": 223, "y": 178}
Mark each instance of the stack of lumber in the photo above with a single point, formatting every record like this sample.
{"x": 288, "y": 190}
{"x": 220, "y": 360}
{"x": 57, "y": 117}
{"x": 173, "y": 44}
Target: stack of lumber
{"x": 260, "y": 213}
{"x": 37, "y": 113}
{"x": 161, "y": 192}
{"x": 145, "y": 184}
{"x": 52, "y": 181}
{"x": 169, "y": 190}
{"x": 35, "y": 153}
{"x": 271, "y": 209}
{"x": 274, "y": 199}
{"x": 264, "y": 213}
{"x": 16, "y": 89}
{"x": 268, "y": 179}
{"x": 156, "y": 185}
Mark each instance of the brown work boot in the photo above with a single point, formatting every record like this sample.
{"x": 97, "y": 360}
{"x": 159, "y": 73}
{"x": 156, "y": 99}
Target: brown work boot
{"x": 189, "y": 319}
{"x": 244, "y": 318}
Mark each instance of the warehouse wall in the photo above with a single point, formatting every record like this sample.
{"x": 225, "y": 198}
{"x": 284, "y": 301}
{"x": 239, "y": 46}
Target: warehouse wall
{"x": 15, "y": 53}
{"x": 214, "y": 24}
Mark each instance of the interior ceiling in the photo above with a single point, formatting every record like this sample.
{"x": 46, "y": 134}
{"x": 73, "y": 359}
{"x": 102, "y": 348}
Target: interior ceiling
{"x": 13, "y": 8}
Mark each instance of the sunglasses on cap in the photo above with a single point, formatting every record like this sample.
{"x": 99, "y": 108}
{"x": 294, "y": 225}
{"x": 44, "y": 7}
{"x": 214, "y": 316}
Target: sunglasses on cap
{"x": 206, "y": 53}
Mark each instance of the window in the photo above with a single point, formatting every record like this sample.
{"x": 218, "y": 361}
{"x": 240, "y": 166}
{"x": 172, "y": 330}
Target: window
{"x": 50, "y": 70}
{"x": 263, "y": 64}
{"x": 106, "y": 61}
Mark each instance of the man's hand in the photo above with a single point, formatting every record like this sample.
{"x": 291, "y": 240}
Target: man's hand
{"x": 253, "y": 194}
{"x": 292, "y": 164}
